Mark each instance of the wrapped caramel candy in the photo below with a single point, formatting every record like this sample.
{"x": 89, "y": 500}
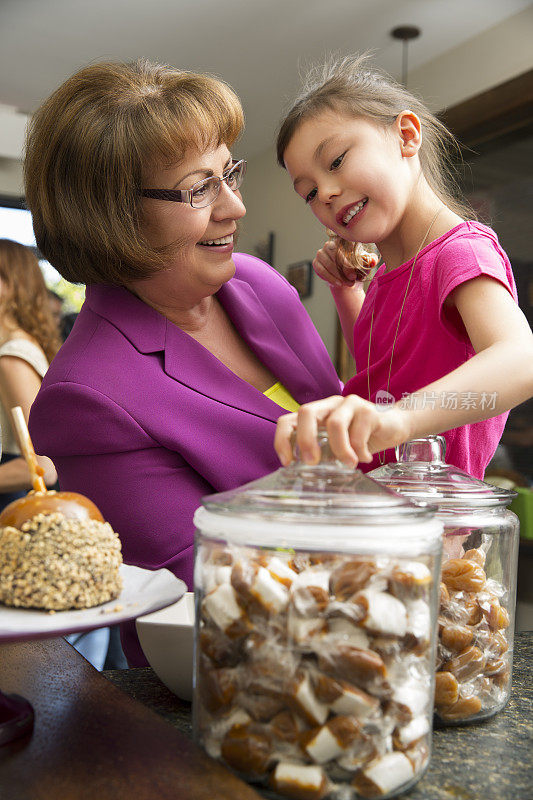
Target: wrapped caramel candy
{"x": 321, "y": 687}
{"x": 476, "y": 597}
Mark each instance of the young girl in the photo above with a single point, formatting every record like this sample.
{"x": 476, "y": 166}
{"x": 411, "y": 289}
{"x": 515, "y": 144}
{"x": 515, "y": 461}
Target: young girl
{"x": 439, "y": 341}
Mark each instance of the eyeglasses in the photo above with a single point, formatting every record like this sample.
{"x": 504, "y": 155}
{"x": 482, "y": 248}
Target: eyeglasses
{"x": 204, "y": 192}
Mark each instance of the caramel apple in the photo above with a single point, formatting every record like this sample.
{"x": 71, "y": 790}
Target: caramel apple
{"x": 41, "y": 501}
{"x": 56, "y": 550}
{"x": 71, "y": 504}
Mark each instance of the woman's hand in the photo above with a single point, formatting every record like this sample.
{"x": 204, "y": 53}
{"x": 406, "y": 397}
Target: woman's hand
{"x": 356, "y": 429}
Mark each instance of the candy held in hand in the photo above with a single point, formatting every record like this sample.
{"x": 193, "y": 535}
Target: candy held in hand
{"x": 360, "y": 260}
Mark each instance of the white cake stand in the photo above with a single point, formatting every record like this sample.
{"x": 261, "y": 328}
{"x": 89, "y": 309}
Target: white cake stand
{"x": 143, "y": 591}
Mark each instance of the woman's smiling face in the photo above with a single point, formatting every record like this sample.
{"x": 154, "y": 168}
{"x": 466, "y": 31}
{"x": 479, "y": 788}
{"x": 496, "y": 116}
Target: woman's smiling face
{"x": 352, "y": 173}
{"x": 195, "y": 269}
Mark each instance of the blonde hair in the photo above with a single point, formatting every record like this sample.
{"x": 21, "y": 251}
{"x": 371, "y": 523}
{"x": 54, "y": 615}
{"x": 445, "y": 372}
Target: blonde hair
{"x": 88, "y": 148}
{"x": 24, "y": 297}
{"x": 351, "y": 87}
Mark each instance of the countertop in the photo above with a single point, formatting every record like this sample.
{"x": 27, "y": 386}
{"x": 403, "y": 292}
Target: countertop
{"x": 92, "y": 741}
{"x": 491, "y": 760}
{"x": 121, "y": 734}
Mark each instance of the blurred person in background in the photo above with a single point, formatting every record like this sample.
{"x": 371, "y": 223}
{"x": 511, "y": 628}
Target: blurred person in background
{"x": 67, "y": 323}
{"x": 29, "y": 340}
{"x": 56, "y": 306}
{"x": 65, "y": 319}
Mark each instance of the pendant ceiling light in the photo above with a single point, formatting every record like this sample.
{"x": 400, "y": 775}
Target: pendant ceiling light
{"x": 405, "y": 33}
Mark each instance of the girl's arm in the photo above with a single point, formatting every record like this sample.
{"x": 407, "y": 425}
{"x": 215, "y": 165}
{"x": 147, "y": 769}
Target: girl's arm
{"x": 332, "y": 266}
{"x": 502, "y": 367}
{"x": 501, "y": 370}
{"x": 19, "y": 384}
{"x": 349, "y": 300}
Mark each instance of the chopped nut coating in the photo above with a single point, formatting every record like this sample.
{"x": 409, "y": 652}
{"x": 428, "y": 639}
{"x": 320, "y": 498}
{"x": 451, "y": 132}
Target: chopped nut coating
{"x": 56, "y": 563}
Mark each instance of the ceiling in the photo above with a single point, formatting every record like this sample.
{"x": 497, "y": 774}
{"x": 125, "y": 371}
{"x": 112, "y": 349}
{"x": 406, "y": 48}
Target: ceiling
{"x": 259, "y": 46}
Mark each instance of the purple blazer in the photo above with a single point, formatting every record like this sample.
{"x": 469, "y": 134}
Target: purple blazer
{"x": 141, "y": 418}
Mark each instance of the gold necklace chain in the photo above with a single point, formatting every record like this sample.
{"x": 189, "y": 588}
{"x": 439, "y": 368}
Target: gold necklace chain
{"x": 422, "y": 243}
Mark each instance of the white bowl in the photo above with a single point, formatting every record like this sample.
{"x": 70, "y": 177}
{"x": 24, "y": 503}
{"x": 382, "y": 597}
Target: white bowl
{"x": 166, "y": 638}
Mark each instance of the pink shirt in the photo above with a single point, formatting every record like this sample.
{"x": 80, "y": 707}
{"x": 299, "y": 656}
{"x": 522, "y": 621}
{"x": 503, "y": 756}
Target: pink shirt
{"x": 431, "y": 340}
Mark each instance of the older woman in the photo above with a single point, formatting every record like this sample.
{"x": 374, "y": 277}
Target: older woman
{"x": 184, "y": 354}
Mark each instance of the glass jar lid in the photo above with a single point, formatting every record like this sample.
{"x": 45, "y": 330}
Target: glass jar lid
{"x": 329, "y": 492}
{"x": 421, "y": 473}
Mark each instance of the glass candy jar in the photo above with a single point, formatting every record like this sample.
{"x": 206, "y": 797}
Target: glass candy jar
{"x": 478, "y": 588}
{"x": 316, "y": 600}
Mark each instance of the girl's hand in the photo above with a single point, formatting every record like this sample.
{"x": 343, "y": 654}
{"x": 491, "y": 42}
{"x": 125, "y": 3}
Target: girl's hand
{"x": 332, "y": 266}
{"x": 356, "y": 429}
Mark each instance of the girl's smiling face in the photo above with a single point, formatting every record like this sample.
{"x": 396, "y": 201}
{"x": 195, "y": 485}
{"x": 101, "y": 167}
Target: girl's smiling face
{"x": 356, "y": 176}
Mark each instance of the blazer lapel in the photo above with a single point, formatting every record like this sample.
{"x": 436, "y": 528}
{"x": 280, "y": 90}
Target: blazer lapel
{"x": 188, "y": 362}
{"x": 191, "y": 364}
{"x": 261, "y": 333}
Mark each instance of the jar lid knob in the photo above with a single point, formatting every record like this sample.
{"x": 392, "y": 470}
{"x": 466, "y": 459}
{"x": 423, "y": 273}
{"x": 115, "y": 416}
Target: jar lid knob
{"x": 431, "y": 449}
{"x": 326, "y": 454}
